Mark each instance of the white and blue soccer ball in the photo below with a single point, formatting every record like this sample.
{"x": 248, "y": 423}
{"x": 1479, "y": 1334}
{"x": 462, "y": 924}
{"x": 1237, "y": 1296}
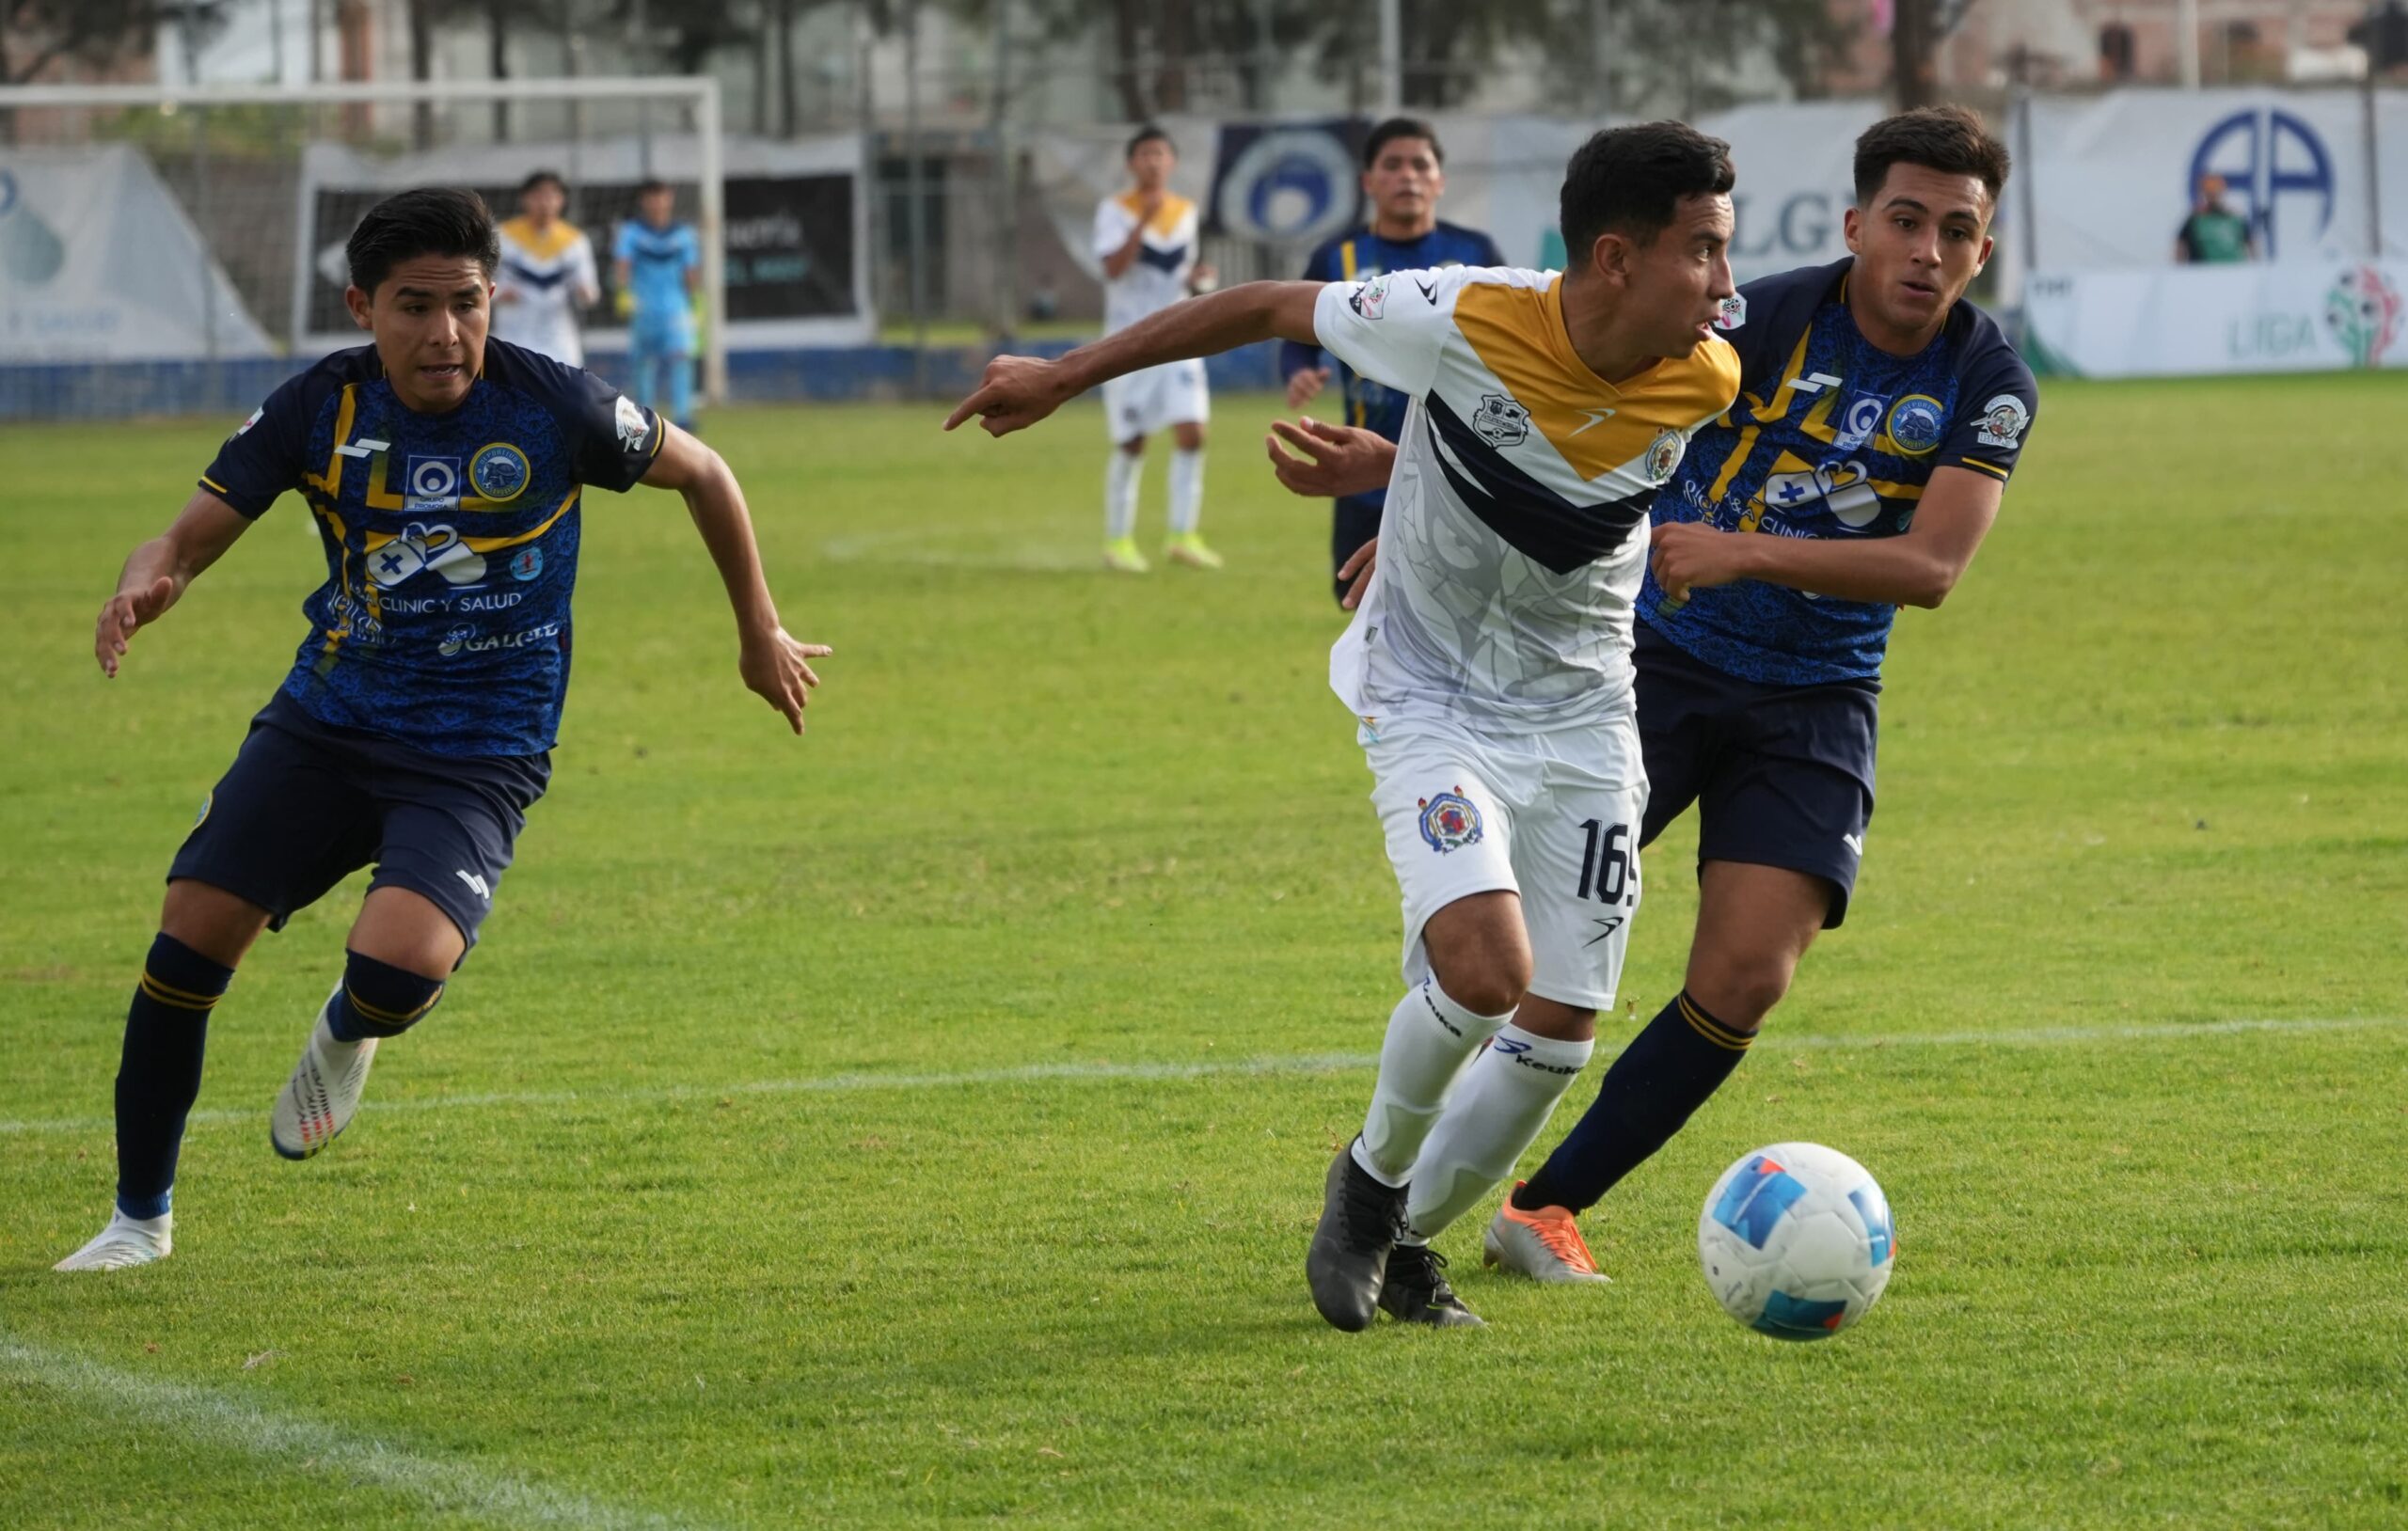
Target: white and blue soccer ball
{"x": 1796, "y": 1240}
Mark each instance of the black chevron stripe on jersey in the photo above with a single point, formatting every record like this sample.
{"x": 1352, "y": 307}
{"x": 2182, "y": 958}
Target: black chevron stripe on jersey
{"x": 1168, "y": 259}
{"x": 1533, "y": 519}
{"x": 533, "y": 277}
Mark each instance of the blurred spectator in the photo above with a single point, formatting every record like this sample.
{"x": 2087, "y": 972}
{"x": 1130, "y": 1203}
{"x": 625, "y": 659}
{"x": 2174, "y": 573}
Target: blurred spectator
{"x": 2213, "y": 234}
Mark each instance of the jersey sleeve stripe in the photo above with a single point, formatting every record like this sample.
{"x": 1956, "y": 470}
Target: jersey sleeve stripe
{"x": 214, "y": 484}
{"x": 1976, "y": 462}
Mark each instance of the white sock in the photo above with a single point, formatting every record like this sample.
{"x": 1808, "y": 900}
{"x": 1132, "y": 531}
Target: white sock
{"x": 1430, "y": 1037}
{"x": 1120, "y": 495}
{"x": 1496, "y": 1111}
{"x": 1186, "y": 491}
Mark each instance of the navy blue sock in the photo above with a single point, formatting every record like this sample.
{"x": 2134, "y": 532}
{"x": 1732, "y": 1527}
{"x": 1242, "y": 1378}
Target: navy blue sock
{"x": 158, "y": 1074}
{"x": 1668, "y": 1071}
{"x": 379, "y": 999}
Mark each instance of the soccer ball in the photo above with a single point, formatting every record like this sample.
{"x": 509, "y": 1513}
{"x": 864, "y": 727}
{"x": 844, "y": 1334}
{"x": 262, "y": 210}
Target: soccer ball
{"x": 1795, "y": 1240}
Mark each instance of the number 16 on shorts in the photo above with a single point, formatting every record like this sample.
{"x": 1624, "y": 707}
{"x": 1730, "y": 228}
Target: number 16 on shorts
{"x": 1609, "y": 868}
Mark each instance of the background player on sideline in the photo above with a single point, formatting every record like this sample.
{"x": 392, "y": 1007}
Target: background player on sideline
{"x": 415, "y": 727}
{"x": 546, "y": 280}
{"x": 1145, "y": 238}
{"x": 1489, "y": 669}
{"x": 1403, "y": 177}
{"x": 658, "y": 268}
{"x": 1879, "y": 419}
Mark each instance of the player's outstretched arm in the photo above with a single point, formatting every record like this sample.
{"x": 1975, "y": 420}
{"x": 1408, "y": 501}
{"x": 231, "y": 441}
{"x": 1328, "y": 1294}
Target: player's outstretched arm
{"x": 1017, "y": 392}
{"x": 775, "y": 666}
{"x": 1339, "y": 460}
{"x": 157, "y": 571}
{"x": 1918, "y": 568}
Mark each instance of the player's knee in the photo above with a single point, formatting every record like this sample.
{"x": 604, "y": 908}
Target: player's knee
{"x": 1740, "y": 991}
{"x": 1492, "y": 983}
{"x": 378, "y": 999}
{"x": 1135, "y": 447}
{"x": 219, "y": 925}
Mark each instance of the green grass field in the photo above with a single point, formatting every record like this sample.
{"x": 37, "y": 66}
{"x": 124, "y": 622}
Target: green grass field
{"x": 921, "y": 1122}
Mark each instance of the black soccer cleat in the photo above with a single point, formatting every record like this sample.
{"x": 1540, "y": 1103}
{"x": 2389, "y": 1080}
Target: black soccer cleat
{"x": 1415, "y": 1291}
{"x": 1359, "y": 1221}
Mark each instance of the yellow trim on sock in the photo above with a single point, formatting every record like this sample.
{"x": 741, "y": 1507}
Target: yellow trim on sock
{"x": 180, "y": 999}
{"x": 1711, "y": 1028}
{"x": 390, "y": 1018}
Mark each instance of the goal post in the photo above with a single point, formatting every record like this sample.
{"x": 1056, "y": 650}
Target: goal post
{"x": 215, "y": 201}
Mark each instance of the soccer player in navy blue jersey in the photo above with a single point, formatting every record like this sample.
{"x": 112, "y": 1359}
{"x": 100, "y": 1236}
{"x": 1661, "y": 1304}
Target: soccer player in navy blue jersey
{"x": 1879, "y": 419}
{"x": 1403, "y": 177}
{"x": 446, "y": 473}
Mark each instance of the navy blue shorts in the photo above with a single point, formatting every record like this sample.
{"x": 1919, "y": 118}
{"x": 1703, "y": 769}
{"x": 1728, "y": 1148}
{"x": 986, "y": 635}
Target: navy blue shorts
{"x": 307, "y": 804}
{"x": 1782, "y": 775}
{"x": 1352, "y": 523}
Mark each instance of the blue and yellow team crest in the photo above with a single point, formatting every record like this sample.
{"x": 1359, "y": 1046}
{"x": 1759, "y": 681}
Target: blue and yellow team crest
{"x": 499, "y": 472}
{"x": 1450, "y": 822}
{"x": 1916, "y": 425}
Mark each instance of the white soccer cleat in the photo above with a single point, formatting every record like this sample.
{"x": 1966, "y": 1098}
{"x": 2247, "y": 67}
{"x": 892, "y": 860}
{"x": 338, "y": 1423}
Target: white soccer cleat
{"x": 126, "y": 1241}
{"x": 317, "y": 1102}
{"x": 1545, "y": 1245}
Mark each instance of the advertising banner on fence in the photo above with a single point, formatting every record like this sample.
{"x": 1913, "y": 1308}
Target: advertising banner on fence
{"x": 796, "y": 238}
{"x": 99, "y": 263}
{"x": 2295, "y": 317}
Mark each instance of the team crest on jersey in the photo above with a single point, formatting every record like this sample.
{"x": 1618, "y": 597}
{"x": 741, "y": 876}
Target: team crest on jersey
{"x": 1734, "y": 312}
{"x": 499, "y": 472}
{"x": 631, "y": 423}
{"x": 1450, "y": 822}
{"x": 430, "y": 483}
{"x": 2003, "y": 421}
{"x": 1663, "y": 455}
{"x": 1371, "y": 299}
{"x": 1500, "y": 422}
{"x": 1915, "y": 424}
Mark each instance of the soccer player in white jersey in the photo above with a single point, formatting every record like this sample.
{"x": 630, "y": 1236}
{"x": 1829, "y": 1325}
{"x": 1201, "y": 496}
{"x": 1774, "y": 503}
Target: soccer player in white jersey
{"x": 1490, "y": 664}
{"x": 547, "y": 277}
{"x": 1145, "y": 238}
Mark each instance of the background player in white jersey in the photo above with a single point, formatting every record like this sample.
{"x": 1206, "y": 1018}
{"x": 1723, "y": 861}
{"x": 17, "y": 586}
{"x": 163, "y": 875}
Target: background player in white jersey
{"x": 1145, "y": 238}
{"x": 546, "y": 280}
{"x": 1491, "y": 665}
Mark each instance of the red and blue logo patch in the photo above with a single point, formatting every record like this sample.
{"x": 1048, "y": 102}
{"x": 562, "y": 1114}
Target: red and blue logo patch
{"x": 1449, "y": 821}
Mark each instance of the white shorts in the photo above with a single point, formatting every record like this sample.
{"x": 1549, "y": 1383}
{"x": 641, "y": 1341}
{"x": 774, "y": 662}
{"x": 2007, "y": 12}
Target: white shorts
{"x": 1155, "y": 399}
{"x": 1551, "y": 817}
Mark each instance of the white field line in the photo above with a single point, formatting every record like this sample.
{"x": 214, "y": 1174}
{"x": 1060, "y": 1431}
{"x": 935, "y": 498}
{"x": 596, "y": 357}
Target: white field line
{"x": 325, "y": 1456}
{"x": 1089, "y": 1073}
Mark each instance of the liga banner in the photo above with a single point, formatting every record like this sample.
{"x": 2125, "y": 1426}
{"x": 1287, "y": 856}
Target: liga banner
{"x": 2307, "y": 316}
{"x": 98, "y": 262}
{"x": 796, "y": 241}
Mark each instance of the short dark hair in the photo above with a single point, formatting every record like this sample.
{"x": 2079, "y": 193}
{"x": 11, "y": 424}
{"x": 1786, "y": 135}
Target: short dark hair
{"x": 542, "y": 178}
{"x": 427, "y": 220}
{"x": 1948, "y": 139}
{"x": 653, "y": 183}
{"x": 1631, "y": 181}
{"x": 1143, "y": 136}
{"x": 1401, "y": 127}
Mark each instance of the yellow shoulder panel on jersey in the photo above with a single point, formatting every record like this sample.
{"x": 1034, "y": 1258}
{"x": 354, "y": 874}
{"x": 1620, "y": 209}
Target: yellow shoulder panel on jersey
{"x": 1165, "y": 218}
{"x": 547, "y": 245}
{"x": 1518, "y": 333}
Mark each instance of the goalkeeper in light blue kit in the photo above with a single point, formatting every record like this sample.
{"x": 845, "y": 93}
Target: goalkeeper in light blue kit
{"x": 658, "y": 264}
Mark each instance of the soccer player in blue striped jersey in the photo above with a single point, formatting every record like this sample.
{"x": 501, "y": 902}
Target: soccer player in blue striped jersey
{"x": 1404, "y": 175}
{"x": 1879, "y": 417}
{"x": 446, "y": 473}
